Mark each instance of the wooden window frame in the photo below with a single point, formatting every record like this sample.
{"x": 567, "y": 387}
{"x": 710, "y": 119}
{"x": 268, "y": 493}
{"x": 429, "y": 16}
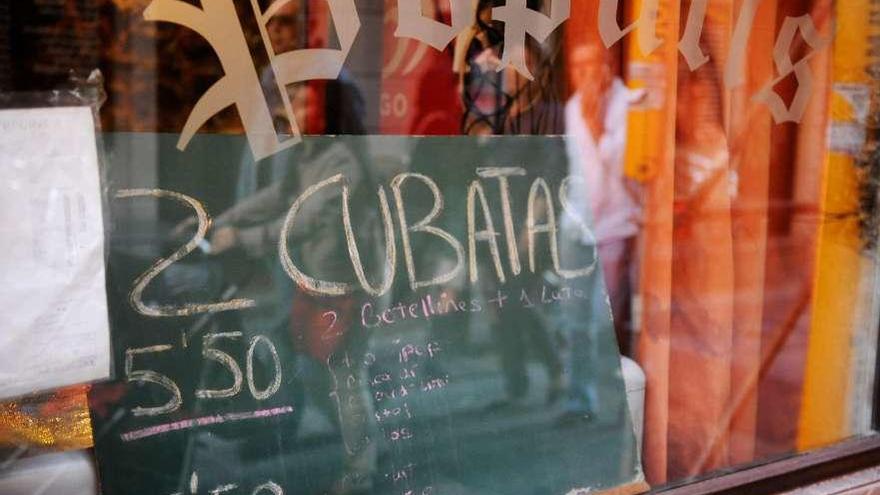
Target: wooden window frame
{"x": 799, "y": 470}
{"x": 785, "y": 474}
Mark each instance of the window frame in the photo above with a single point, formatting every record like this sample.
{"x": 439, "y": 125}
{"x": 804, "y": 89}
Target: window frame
{"x": 789, "y": 473}
{"x": 799, "y": 470}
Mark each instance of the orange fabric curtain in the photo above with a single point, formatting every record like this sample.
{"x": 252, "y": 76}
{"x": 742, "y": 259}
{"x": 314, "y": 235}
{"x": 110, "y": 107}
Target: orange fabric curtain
{"x": 798, "y": 156}
{"x": 651, "y": 136}
{"x": 726, "y": 272}
{"x": 750, "y": 142}
{"x": 702, "y": 262}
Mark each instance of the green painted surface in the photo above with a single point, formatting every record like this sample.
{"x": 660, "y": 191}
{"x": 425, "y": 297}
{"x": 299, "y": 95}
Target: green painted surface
{"x": 445, "y": 388}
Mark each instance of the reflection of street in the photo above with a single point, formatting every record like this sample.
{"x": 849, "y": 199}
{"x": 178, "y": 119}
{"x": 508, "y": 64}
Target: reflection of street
{"x": 456, "y": 387}
{"x": 444, "y": 417}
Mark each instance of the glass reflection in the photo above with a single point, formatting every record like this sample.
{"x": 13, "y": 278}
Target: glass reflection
{"x": 496, "y": 375}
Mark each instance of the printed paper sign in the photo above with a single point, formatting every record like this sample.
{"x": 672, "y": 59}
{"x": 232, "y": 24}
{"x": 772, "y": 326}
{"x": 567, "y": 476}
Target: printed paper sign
{"x": 53, "y": 300}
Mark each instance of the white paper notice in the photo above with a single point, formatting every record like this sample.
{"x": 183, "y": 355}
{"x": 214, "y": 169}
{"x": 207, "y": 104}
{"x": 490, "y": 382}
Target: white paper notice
{"x": 52, "y": 300}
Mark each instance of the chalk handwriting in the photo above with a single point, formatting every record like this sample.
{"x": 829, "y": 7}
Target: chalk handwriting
{"x": 140, "y": 284}
{"x": 267, "y": 488}
{"x": 346, "y": 395}
{"x": 503, "y": 174}
{"x": 210, "y": 353}
{"x": 540, "y": 202}
{"x": 215, "y": 419}
{"x": 432, "y": 306}
{"x": 392, "y": 391}
{"x": 132, "y": 375}
{"x": 390, "y": 245}
{"x": 275, "y": 384}
{"x": 225, "y": 360}
{"x": 488, "y": 234}
{"x": 424, "y": 226}
{"x": 306, "y": 282}
{"x": 331, "y": 332}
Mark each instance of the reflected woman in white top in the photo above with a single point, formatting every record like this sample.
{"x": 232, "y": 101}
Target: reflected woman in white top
{"x": 596, "y": 124}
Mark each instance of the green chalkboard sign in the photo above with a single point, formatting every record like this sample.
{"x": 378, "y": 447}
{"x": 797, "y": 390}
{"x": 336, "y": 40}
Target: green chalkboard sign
{"x": 357, "y": 315}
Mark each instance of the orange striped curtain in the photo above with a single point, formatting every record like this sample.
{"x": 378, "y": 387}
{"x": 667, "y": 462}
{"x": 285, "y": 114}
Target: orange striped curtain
{"x": 651, "y": 150}
{"x": 729, "y": 243}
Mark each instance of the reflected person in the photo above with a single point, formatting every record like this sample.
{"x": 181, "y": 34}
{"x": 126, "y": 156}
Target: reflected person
{"x": 266, "y": 191}
{"x": 604, "y": 199}
{"x": 318, "y": 247}
{"x": 596, "y": 123}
